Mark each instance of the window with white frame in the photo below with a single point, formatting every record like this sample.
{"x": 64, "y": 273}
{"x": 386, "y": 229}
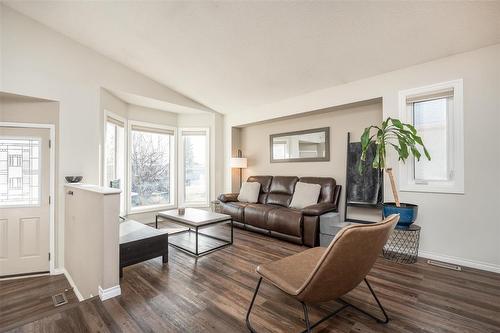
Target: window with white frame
{"x": 152, "y": 172}
{"x": 20, "y": 172}
{"x": 194, "y": 166}
{"x": 114, "y": 156}
{"x": 437, "y": 113}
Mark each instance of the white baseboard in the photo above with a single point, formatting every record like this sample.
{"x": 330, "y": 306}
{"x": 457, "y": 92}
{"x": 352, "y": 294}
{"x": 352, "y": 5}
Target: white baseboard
{"x": 72, "y": 283}
{"x": 461, "y": 262}
{"x": 23, "y": 276}
{"x": 58, "y": 271}
{"x": 108, "y": 293}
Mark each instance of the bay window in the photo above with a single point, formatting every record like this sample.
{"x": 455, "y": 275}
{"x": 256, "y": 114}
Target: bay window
{"x": 152, "y": 172}
{"x": 145, "y": 163}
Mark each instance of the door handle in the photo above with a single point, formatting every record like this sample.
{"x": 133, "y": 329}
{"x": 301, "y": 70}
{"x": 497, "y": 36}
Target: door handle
{"x": 70, "y": 192}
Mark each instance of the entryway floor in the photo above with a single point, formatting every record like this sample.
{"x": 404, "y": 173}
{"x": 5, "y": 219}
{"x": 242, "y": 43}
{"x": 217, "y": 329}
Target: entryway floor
{"x": 24, "y": 300}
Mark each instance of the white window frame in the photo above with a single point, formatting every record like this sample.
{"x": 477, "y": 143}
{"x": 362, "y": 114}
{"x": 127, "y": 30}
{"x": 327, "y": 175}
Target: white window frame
{"x": 39, "y": 173}
{"x": 181, "y": 190}
{"x": 173, "y": 166}
{"x": 455, "y": 129}
{"x": 104, "y": 182}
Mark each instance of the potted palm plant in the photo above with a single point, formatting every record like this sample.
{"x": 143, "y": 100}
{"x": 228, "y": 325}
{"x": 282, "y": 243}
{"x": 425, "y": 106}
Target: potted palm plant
{"x": 404, "y": 139}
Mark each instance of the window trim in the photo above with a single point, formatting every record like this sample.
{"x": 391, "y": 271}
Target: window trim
{"x": 181, "y": 167}
{"x": 173, "y": 161}
{"x": 456, "y": 139}
{"x": 39, "y": 173}
{"x": 111, "y": 115}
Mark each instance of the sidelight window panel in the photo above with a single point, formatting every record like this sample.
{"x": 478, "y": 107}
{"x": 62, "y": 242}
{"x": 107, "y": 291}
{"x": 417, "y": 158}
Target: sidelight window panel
{"x": 195, "y": 166}
{"x": 20, "y": 172}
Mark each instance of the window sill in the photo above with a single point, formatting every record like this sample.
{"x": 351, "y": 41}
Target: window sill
{"x": 149, "y": 209}
{"x": 432, "y": 189}
{"x": 197, "y": 205}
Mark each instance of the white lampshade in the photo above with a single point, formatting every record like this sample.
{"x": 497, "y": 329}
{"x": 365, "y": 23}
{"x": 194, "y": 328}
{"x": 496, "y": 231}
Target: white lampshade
{"x": 239, "y": 162}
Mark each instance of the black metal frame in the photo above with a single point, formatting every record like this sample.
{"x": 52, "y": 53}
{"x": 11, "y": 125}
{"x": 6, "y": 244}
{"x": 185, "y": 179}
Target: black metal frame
{"x": 309, "y": 327}
{"x": 402, "y": 246}
{"x": 197, "y": 253}
{"x": 347, "y": 204}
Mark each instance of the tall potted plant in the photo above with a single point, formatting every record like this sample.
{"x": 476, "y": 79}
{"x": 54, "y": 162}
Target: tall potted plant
{"x": 404, "y": 139}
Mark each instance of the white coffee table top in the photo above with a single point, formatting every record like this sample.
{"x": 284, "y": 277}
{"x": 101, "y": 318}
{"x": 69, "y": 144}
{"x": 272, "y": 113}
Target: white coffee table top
{"x": 194, "y": 217}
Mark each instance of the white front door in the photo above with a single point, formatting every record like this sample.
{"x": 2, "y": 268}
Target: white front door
{"x": 24, "y": 200}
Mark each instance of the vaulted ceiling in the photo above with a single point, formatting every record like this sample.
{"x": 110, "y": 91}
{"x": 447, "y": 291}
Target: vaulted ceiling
{"x": 234, "y": 56}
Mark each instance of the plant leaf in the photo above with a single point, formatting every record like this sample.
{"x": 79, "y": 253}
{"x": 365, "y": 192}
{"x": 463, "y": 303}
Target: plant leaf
{"x": 397, "y": 123}
{"x": 426, "y": 153}
{"x": 412, "y": 128}
{"x": 415, "y": 153}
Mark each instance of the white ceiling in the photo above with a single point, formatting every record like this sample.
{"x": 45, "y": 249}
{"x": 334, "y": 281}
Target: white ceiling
{"x": 233, "y": 56}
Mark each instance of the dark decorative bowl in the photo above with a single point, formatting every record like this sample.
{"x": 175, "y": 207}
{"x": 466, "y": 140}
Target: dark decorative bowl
{"x": 73, "y": 179}
{"x": 407, "y": 212}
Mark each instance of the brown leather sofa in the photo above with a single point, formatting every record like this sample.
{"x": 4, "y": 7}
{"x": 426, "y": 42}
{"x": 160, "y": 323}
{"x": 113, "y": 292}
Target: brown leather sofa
{"x": 272, "y": 216}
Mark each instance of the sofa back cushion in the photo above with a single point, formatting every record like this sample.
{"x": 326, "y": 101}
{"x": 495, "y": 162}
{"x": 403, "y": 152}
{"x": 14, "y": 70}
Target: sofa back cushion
{"x": 327, "y": 193}
{"x": 249, "y": 192}
{"x": 281, "y": 190}
{"x": 265, "y": 185}
{"x": 305, "y": 194}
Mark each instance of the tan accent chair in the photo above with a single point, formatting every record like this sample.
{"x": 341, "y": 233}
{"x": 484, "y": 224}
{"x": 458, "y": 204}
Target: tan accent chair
{"x": 323, "y": 274}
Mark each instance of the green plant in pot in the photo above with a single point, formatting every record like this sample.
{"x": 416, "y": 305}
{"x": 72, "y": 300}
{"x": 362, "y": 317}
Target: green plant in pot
{"x": 404, "y": 139}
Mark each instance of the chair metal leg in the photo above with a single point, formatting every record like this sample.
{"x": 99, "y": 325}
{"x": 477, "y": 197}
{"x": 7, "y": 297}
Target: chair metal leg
{"x": 309, "y": 327}
{"x": 306, "y": 318}
{"x": 385, "y": 320}
{"x": 251, "y": 305}
{"x": 386, "y": 317}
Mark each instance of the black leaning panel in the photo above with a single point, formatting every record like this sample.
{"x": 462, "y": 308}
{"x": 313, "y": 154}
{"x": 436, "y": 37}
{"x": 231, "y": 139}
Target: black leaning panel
{"x": 365, "y": 187}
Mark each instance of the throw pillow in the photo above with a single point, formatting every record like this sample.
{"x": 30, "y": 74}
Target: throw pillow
{"x": 249, "y": 192}
{"x": 305, "y": 195}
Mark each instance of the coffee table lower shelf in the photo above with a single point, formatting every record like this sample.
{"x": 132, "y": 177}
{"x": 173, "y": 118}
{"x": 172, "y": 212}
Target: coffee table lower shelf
{"x": 203, "y": 243}
{"x": 192, "y": 240}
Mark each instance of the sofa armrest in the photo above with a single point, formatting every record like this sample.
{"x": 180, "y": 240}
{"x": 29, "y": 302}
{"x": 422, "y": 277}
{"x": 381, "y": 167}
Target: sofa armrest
{"x": 228, "y": 197}
{"x": 319, "y": 209}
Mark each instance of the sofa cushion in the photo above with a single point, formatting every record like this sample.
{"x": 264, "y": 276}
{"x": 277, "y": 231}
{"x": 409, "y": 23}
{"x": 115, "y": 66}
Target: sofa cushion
{"x": 249, "y": 192}
{"x": 256, "y": 215}
{"x": 285, "y": 220}
{"x": 265, "y": 184}
{"x": 235, "y": 209}
{"x": 327, "y": 187}
{"x": 305, "y": 195}
{"x": 281, "y": 190}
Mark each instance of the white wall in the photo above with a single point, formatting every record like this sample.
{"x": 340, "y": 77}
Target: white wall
{"x": 36, "y": 61}
{"x": 458, "y": 228}
{"x": 140, "y": 113}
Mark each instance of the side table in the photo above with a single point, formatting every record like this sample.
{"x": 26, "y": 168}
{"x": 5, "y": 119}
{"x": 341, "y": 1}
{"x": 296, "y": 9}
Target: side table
{"x": 215, "y": 206}
{"x": 402, "y": 246}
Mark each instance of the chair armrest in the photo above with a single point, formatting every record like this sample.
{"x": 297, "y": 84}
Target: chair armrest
{"x": 319, "y": 209}
{"x": 228, "y": 197}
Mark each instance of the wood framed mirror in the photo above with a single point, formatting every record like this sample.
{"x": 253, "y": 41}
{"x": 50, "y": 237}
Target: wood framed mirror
{"x": 312, "y": 145}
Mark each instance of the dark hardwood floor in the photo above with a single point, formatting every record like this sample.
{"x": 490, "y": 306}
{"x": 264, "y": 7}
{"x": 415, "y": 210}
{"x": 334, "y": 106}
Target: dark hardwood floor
{"x": 212, "y": 294}
{"x": 27, "y": 299}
